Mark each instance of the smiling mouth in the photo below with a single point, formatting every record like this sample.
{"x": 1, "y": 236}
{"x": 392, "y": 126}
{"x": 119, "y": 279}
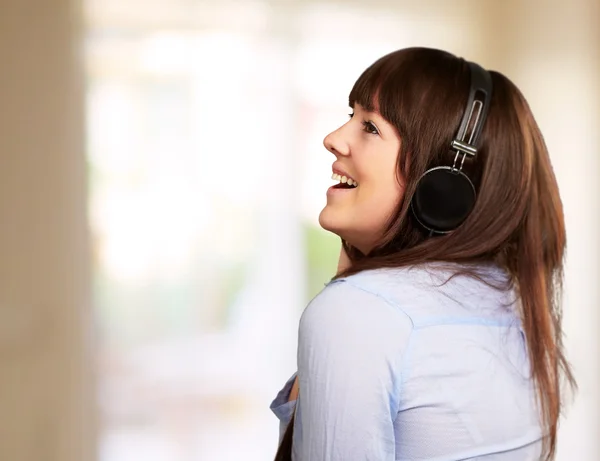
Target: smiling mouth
{"x": 344, "y": 182}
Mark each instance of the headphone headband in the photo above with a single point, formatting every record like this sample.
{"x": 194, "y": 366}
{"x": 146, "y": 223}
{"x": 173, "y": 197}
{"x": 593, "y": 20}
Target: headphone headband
{"x": 478, "y": 106}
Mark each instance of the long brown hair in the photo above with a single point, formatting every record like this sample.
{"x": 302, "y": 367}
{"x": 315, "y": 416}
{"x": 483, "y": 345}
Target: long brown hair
{"x": 517, "y": 222}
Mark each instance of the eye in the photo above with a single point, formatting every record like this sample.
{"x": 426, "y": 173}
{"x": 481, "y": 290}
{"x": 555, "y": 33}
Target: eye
{"x": 369, "y": 127}
{"x": 351, "y": 115}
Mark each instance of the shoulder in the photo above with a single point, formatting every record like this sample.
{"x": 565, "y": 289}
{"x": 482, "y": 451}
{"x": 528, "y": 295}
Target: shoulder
{"x": 352, "y": 299}
{"x": 353, "y": 316}
{"x": 434, "y": 292}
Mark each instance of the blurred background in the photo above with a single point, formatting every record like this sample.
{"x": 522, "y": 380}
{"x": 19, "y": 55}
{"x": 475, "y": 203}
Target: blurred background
{"x": 161, "y": 174}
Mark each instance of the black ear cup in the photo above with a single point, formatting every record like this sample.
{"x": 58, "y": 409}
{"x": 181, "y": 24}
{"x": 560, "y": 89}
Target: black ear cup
{"x": 443, "y": 199}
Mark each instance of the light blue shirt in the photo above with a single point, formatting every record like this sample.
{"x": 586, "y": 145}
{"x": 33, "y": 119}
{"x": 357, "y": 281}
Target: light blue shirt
{"x": 393, "y": 364}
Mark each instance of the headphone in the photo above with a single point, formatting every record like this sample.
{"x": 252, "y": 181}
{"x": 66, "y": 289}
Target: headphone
{"x": 445, "y": 195}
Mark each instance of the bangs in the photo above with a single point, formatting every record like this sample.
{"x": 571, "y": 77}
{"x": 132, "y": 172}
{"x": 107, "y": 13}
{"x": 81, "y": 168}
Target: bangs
{"x": 366, "y": 89}
{"x": 399, "y": 82}
{"x": 380, "y": 86}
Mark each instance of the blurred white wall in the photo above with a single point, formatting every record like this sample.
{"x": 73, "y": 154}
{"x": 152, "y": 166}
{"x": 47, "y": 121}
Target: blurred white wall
{"x": 309, "y": 54}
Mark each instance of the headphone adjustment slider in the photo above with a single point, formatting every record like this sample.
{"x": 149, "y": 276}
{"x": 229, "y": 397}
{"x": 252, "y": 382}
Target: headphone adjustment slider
{"x": 464, "y": 148}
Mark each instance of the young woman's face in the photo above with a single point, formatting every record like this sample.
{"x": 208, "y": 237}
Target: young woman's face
{"x": 366, "y": 150}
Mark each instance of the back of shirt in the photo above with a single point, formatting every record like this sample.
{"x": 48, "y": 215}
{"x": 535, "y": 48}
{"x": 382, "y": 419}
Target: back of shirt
{"x": 405, "y": 364}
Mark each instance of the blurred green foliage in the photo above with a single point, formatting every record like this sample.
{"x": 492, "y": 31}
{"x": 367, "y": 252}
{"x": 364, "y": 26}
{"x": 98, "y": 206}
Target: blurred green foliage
{"x": 322, "y": 253}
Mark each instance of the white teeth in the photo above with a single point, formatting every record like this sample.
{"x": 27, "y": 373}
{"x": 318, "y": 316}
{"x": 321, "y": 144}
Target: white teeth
{"x": 344, "y": 179}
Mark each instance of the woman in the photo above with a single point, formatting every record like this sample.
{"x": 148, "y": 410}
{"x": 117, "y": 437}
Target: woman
{"x": 440, "y": 336}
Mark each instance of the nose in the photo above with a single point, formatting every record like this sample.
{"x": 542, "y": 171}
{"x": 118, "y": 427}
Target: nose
{"x": 335, "y": 143}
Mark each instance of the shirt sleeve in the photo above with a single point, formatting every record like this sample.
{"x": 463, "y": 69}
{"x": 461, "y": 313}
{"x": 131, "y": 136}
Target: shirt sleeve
{"x": 350, "y": 348}
{"x": 283, "y": 407}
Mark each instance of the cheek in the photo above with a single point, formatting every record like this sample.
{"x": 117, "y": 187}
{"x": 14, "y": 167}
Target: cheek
{"x": 383, "y": 186}
{"x": 378, "y": 201}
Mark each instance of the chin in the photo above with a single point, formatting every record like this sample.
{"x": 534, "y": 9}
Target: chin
{"x": 332, "y": 222}
{"x": 328, "y": 221}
